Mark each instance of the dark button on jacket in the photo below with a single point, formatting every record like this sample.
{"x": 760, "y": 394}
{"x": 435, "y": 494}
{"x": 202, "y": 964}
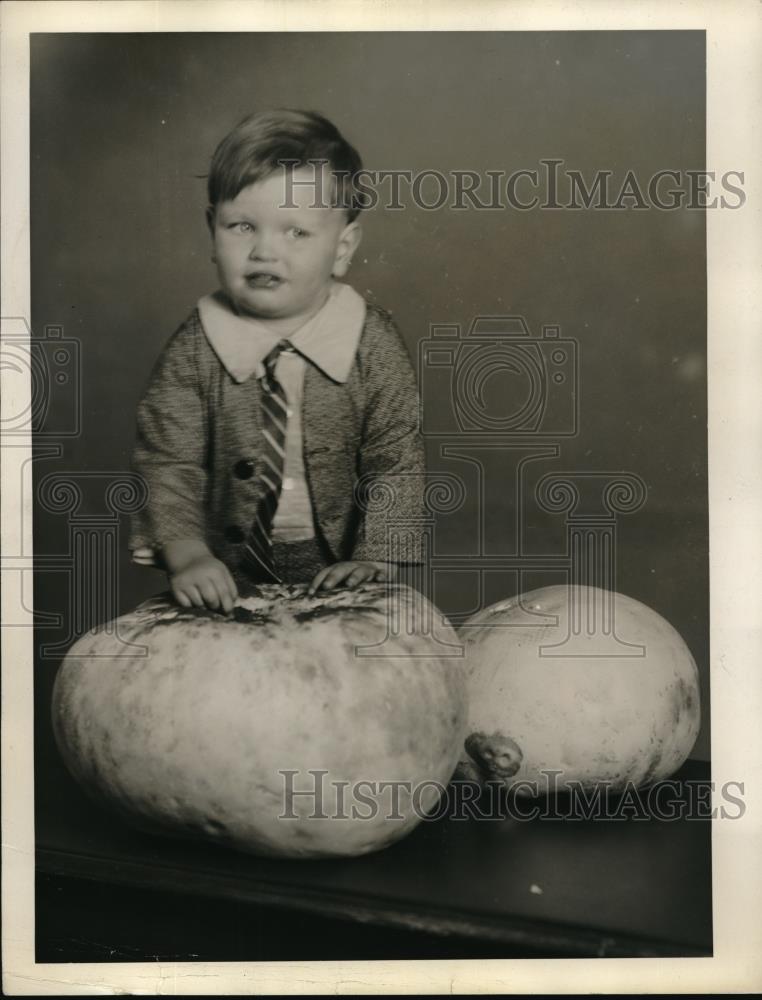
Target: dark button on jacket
{"x": 244, "y": 469}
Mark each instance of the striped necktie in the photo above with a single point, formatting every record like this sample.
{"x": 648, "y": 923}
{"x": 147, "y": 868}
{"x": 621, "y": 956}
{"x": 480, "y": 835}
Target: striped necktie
{"x": 258, "y": 549}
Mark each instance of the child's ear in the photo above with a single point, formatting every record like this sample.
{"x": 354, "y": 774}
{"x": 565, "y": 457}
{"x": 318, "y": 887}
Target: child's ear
{"x": 210, "y": 218}
{"x": 348, "y": 243}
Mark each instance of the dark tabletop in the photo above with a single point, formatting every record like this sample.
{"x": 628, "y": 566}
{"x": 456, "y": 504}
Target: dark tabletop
{"x": 616, "y": 887}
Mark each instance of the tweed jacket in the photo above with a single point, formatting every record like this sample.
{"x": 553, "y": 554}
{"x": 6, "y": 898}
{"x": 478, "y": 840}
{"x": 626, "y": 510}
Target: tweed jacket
{"x": 197, "y": 449}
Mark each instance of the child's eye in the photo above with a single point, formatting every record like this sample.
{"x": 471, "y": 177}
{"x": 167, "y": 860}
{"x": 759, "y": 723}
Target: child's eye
{"x": 242, "y": 227}
{"x": 297, "y": 231}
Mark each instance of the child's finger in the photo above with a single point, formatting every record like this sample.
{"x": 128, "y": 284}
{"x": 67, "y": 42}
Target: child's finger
{"x": 318, "y": 580}
{"x": 224, "y": 604}
{"x": 181, "y": 597}
{"x": 194, "y": 594}
{"x": 227, "y": 596}
{"x": 358, "y": 576}
{"x": 220, "y": 580}
{"x": 335, "y": 575}
{"x": 209, "y": 594}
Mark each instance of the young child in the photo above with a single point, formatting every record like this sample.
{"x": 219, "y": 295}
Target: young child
{"x": 279, "y": 431}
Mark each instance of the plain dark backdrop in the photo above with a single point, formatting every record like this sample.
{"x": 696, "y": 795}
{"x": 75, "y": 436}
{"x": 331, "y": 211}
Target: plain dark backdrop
{"x": 122, "y": 127}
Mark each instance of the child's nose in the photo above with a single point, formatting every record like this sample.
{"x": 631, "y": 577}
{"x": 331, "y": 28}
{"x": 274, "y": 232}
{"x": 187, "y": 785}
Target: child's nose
{"x": 263, "y": 247}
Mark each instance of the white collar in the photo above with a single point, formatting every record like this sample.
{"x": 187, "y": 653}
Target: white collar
{"x": 329, "y": 339}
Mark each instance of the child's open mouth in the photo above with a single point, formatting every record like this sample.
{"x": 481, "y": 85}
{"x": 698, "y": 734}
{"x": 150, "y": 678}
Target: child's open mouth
{"x": 262, "y": 279}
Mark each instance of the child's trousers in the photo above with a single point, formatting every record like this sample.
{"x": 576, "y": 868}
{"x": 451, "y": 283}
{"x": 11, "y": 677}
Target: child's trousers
{"x": 295, "y": 562}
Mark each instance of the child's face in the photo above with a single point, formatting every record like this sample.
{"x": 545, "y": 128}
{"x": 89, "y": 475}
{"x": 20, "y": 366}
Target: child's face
{"x": 275, "y": 262}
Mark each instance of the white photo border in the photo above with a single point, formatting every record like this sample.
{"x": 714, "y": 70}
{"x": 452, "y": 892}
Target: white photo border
{"x": 734, "y": 261}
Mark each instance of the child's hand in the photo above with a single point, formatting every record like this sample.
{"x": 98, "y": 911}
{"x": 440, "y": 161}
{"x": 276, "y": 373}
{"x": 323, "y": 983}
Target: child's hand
{"x": 197, "y": 578}
{"x": 350, "y": 574}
